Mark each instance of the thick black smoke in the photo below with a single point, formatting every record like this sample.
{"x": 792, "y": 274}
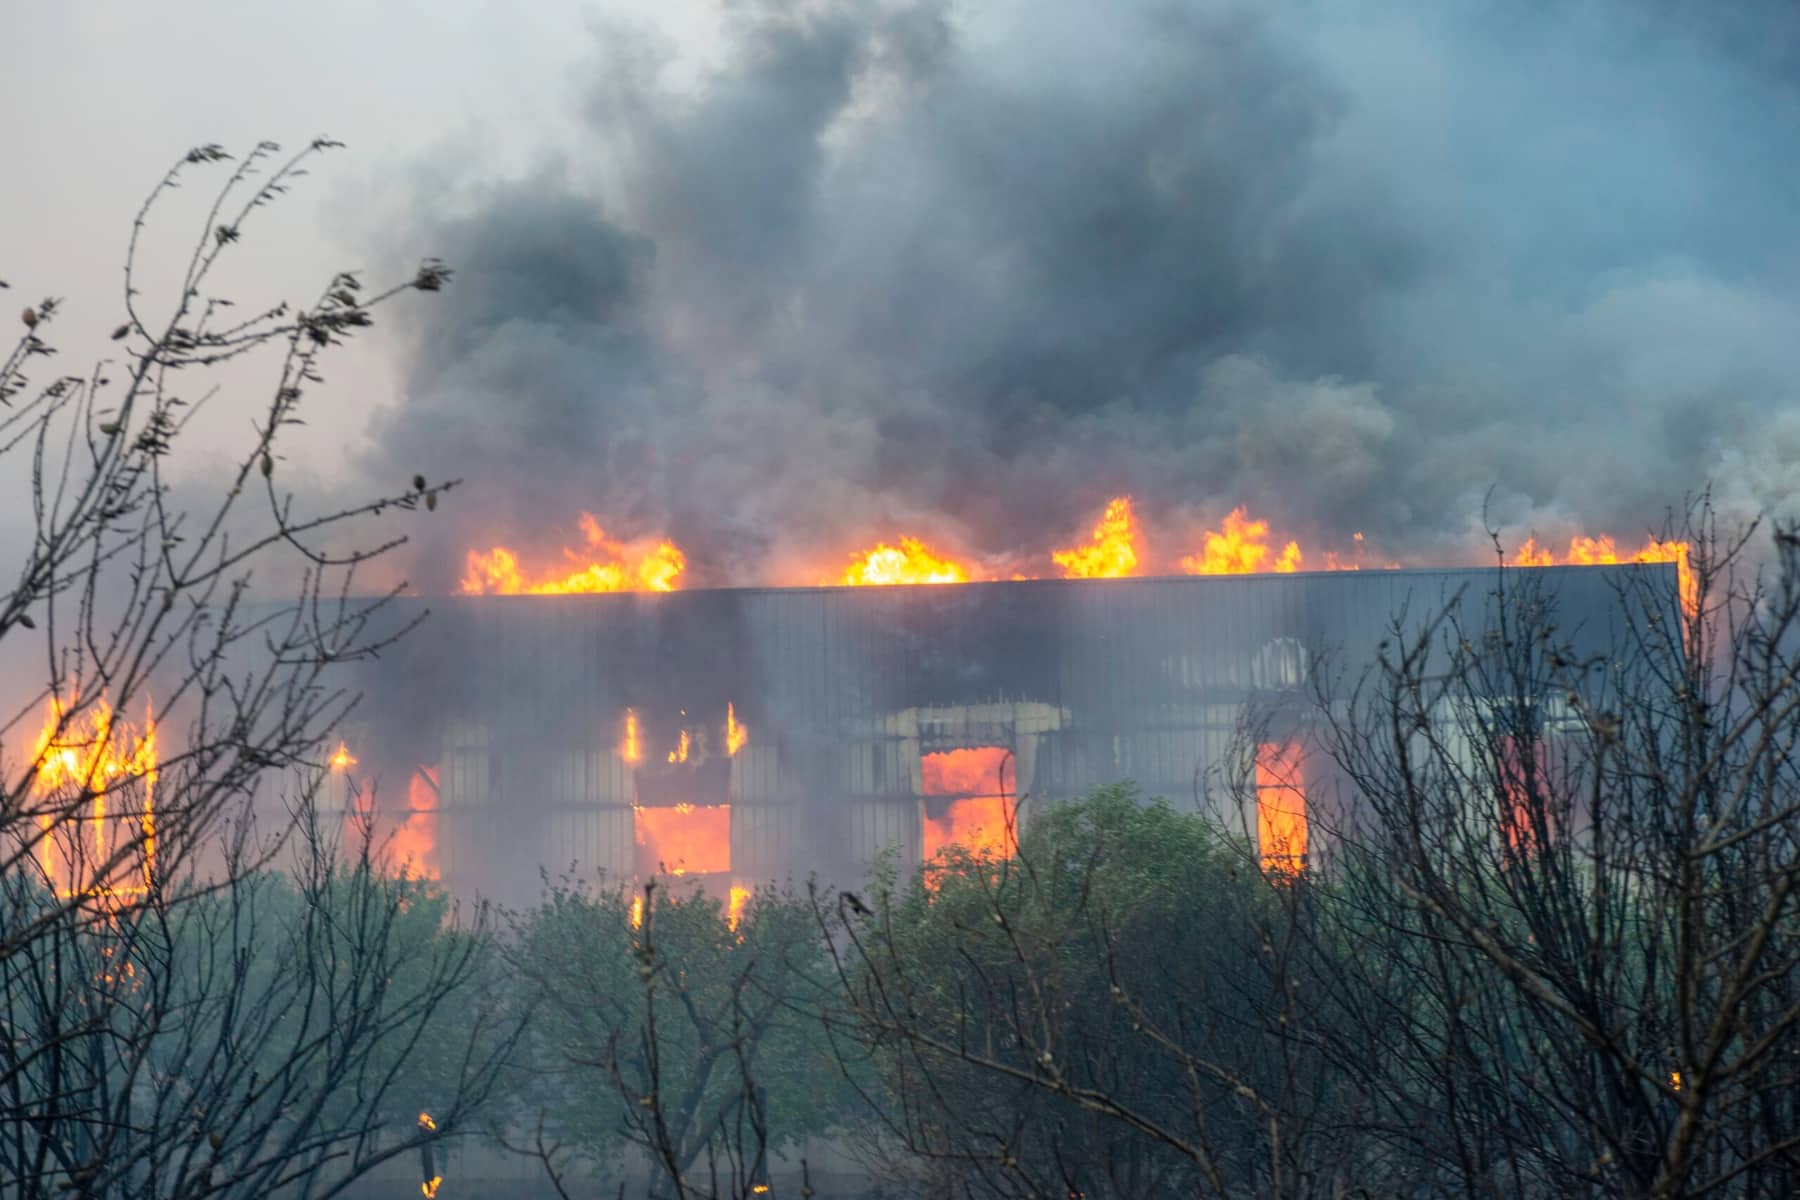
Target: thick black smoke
{"x": 967, "y": 273}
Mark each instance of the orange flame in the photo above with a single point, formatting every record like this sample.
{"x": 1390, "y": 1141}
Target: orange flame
{"x": 637, "y": 912}
{"x": 1585, "y": 551}
{"x": 736, "y": 736}
{"x": 1334, "y": 563}
{"x": 629, "y": 748}
{"x": 1533, "y": 555}
{"x": 734, "y": 910}
{"x": 977, "y": 824}
{"x": 680, "y": 753}
{"x": 1280, "y": 808}
{"x": 414, "y": 842}
{"x": 910, "y": 562}
{"x": 1242, "y": 545}
{"x": 975, "y": 771}
{"x": 978, "y": 819}
{"x": 410, "y": 847}
{"x": 683, "y": 839}
{"x": 607, "y": 566}
{"x": 1517, "y": 826}
{"x": 1241, "y": 548}
{"x": 93, "y": 752}
{"x": 1111, "y": 552}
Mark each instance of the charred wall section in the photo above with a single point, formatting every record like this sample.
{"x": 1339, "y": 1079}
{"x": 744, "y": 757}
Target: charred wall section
{"x": 519, "y": 705}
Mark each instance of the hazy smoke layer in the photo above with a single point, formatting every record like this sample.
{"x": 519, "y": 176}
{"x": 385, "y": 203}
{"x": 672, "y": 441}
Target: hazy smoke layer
{"x": 966, "y": 273}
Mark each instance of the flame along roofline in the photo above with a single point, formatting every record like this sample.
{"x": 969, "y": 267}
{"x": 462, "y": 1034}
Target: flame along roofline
{"x": 1246, "y": 579}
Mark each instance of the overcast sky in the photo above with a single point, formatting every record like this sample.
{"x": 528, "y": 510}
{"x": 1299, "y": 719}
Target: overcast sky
{"x": 103, "y": 95}
{"x": 771, "y": 278}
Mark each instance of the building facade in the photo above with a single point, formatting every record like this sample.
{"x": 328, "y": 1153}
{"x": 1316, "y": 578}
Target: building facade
{"x": 749, "y": 735}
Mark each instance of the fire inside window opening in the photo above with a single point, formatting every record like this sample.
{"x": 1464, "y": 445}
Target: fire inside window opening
{"x": 1522, "y": 778}
{"x": 414, "y": 842}
{"x": 683, "y": 839}
{"x": 681, "y": 810}
{"x": 406, "y": 843}
{"x": 1281, "y": 807}
{"x": 969, "y": 801}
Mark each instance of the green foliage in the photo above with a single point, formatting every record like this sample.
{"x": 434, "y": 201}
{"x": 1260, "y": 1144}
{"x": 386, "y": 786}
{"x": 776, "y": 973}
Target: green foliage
{"x": 288, "y": 1026}
{"x": 682, "y": 1036}
{"x": 349, "y": 969}
{"x": 1116, "y": 965}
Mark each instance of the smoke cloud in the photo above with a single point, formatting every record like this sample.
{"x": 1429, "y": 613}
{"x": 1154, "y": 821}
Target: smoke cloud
{"x": 967, "y": 272}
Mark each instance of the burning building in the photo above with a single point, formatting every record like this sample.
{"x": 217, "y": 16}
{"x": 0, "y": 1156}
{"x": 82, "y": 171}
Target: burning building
{"x": 738, "y": 736}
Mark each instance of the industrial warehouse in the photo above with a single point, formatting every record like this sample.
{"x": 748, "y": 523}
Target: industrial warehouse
{"x": 742, "y": 736}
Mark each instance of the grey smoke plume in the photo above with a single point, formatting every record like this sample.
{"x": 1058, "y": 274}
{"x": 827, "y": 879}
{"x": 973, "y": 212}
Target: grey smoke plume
{"x": 968, "y": 272}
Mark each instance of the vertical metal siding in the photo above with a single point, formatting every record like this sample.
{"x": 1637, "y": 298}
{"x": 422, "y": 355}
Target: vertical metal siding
{"x": 523, "y": 697}
{"x": 771, "y": 843}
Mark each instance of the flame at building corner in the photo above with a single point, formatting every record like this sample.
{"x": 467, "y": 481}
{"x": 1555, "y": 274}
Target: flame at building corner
{"x": 1589, "y": 551}
{"x": 736, "y": 736}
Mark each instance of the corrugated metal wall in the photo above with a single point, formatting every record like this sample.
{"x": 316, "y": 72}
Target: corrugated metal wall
{"x": 522, "y": 698}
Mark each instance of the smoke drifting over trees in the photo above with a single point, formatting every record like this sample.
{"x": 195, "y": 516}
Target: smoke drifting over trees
{"x": 921, "y": 265}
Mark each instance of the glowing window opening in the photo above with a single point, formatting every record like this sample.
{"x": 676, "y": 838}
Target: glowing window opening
{"x": 1281, "y": 824}
{"x": 968, "y": 801}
